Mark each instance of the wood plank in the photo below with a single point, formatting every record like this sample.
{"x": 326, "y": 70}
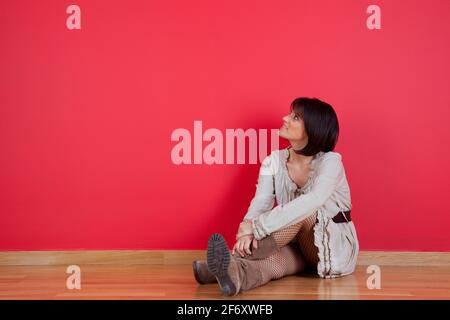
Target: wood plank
{"x": 177, "y": 282}
{"x": 168, "y": 257}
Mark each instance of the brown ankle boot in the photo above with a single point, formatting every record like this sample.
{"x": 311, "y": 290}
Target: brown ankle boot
{"x": 201, "y": 272}
{"x": 233, "y": 274}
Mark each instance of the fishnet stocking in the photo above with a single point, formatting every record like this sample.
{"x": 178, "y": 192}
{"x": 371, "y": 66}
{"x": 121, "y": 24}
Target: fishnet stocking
{"x": 302, "y": 233}
{"x": 296, "y": 251}
{"x": 286, "y": 261}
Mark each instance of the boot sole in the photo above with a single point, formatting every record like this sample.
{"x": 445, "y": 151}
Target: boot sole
{"x": 218, "y": 259}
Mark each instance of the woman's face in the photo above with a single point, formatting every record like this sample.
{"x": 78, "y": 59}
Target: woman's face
{"x": 293, "y": 129}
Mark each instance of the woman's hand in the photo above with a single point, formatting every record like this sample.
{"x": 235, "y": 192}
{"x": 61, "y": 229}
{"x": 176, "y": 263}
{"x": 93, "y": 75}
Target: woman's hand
{"x": 245, "y": 228}
{"x": 243, "y": 243}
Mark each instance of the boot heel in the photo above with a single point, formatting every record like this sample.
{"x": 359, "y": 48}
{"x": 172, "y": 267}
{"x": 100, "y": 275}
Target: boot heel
{"x": 201, "y": 272}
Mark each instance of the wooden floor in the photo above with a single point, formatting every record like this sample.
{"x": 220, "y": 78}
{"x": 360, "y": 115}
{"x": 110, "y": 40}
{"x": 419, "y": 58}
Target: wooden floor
{"x": 153, "y": 281}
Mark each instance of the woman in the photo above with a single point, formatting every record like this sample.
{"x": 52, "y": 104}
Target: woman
{"x": 310, "y": 228}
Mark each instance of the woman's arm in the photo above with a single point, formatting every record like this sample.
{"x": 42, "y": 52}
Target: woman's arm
{"x": 262, "y": 202}
{"x": 264, "y": 197}
{"x": 330, "y": 173}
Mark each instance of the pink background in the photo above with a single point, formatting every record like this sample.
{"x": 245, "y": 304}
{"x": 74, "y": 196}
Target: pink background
{"x": 86, "y": 116}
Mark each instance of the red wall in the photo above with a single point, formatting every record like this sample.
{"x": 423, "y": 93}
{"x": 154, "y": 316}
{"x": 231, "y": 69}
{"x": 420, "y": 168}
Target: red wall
{"x": 86, "y": 116}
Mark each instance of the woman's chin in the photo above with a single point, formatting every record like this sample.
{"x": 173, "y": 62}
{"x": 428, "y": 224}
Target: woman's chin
{"x": 282, "y": 134}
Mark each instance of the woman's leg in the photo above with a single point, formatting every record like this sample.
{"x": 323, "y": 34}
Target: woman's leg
{"x": 280, "y": 238}
{"x": 293, "y": 257}
{"x": 288, "y": 234}
{"x": 305, "y": 240}
{"x": 286, "y": 261}
{"x": 239, "y": 274}
{"x": 301, "y": 233}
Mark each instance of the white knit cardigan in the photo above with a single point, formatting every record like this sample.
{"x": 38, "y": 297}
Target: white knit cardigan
{"x": 326, "y": 192}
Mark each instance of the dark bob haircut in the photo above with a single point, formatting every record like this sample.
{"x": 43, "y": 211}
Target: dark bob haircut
{"x": 321, "y": 125}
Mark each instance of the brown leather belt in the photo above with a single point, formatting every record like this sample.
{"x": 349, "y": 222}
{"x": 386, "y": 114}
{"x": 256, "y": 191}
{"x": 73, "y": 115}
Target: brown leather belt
{"x": 342, "y": 216}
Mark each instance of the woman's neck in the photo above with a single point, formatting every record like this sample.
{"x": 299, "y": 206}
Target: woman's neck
{"x": 299, "y": 158}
